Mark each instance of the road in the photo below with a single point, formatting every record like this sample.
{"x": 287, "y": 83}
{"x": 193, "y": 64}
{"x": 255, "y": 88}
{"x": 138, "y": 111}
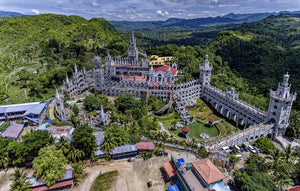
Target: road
{"x": 51, "y": 110}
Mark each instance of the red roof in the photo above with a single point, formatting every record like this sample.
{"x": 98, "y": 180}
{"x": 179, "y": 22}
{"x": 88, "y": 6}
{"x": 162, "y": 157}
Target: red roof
{"x": 211, "y": 120}
{"x": 165, "y": 68}
{"x": 208, "y": 171}
{"x": 54, "y": 186}
{"x": 169, "y": 168}
{"x": 145, "y": 146}
{"x": 297, "y": 188}
{"x": 185, "y": 129}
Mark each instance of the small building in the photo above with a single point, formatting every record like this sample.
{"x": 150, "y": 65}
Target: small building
{"x": 145, "y": 146}
{"x": 124, "y": 151}
{"x": 169, "y": 170}
{"x": 32, "y": 112}
{"x": 14, "y": 131}
{"x": 211, "y": 122}
{"x": 65, "y": 183}
{"x": 58, "y": 132}
{"x": 207, "y": 172}
{"x": 157, "y": 61}
{"x": 185, "y": 130}
{"x": 99, "y": 153}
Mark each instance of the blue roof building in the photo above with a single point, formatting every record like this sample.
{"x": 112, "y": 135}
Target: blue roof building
{"x": 32, "y": 112}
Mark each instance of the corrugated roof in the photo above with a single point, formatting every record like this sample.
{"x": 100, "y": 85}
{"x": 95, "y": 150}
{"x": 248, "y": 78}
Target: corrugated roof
{"x": 208, "y": 171}
{"x": 165, "y": 68}
{"x": 145, "y": 146}
{"x": 29, "y": 108}
{"x": 13, "y": 130}
{"x": 169, "y": 168}
{"x": 123, "y": 149}
{"x": 99, "y": 137}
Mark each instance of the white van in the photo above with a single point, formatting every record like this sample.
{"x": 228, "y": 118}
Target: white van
{"x": 237, "y": 148}
{"x": 239, "y": 156}
{"x": 225, "y": 148}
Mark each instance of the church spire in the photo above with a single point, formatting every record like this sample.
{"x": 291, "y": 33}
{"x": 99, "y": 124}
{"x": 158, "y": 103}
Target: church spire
{"x": 102, "y": 113}
{"x": 67, "y": 78}
{"x": 75, "y": 68}
{"x": 84, "y": 70}
{"x": 132, "y": 51}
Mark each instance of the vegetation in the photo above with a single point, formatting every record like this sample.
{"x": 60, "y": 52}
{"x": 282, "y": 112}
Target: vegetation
{"x": 265, "y": 144}
{"x": 104, "y": 181}
{"x": 49, "y": 165}
{"x": 18, "y": 181}
{"x": 83, "y": 139}
{"x": 37, "y": 52}
{"x": 4, "y": 126}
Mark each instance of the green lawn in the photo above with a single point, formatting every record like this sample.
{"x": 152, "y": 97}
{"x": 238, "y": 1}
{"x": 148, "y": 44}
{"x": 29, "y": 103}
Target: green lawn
{"x": 198, "y": 128}
{"x": 104, "y": 181}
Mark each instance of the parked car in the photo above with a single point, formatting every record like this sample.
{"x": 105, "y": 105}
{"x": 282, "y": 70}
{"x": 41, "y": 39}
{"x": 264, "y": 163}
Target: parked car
{"x": 253, "y": 151}
{"x": 246, "y": 149}
{"x": 242, "y": 149}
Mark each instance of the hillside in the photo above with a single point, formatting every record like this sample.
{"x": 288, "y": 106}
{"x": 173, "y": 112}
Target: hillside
{"x": 186, "y": 32}
{"x": 48, "y": 45}
{"x": 263, "y": 51}
{"x": 11, "y": 14}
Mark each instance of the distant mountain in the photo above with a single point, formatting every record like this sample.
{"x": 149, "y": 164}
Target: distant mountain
{"x": 11, "y": 14}
{"x": 191, "y": 24}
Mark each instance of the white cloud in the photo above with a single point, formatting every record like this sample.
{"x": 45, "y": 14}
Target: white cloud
{"x": 35, "y": 11}
{"x": 95, "y": 4}
{"x": 162, "y": 13}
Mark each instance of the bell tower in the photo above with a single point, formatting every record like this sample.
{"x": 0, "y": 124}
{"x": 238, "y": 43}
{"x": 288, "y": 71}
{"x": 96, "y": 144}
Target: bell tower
{"x": 132, "y": 51}
{"x": 280, "y": 106}
{"x": 205, "y": 72}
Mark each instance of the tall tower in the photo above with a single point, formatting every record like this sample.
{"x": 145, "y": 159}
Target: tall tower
{"x": 132, "y": 51}
{"x": 98, "y": 74}
{"x": 205, "y": 72}
{"x": 280, "y": 106}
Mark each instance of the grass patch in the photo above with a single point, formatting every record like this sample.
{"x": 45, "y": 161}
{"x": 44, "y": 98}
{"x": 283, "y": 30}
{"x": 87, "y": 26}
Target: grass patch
{"x": 168, "y": 123}
{"x": 198, "y": 128}
{"x": 172, "y": 117}
{"x": 104, "y": 181}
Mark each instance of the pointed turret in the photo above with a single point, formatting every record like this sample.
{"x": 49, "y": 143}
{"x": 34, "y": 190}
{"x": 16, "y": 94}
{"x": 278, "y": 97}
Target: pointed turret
{"x": 169, "y": 71}
{"x": 102, "y": 113}
{"x": 75, "y": 68}
{"x": 67, "y": 78}
{"x": 84, "y": 70}
{"x": 132, "y": 51}
{"x": 57, "y": 95}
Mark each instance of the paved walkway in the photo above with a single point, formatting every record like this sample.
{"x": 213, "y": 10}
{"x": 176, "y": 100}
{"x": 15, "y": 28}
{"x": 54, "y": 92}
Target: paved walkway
{"x": 163, "y": 129}
{"x": 51, "y": 110}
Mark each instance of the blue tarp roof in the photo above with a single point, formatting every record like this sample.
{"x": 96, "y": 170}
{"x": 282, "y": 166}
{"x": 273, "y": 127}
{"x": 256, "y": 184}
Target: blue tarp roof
{"x": 42, "y": 127}
{"x": 48, "y": 121}
{"x": 173, "y": 188}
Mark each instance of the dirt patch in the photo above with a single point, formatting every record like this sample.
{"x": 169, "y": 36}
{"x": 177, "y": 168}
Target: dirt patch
{"x": 132, "y": 176}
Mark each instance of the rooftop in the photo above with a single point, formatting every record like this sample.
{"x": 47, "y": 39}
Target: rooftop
{"x": 187, "y": 157}
{"x": 29, "y": 108}
{"x": 13, "y": 130}
{"x": 145, "y": 146}
{"x": 165, "y": 68}
{"x": 185, "y": 129}
{"x": 123, "y": 149}
{"x": 131, "y": 78}
{"x": 99, "y": 137}
{"x": 169, "y": 168}
{"x": 208, "y": 171}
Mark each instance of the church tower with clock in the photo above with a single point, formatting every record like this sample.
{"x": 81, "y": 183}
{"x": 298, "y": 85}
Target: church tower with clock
{"x": 280, "y": 106}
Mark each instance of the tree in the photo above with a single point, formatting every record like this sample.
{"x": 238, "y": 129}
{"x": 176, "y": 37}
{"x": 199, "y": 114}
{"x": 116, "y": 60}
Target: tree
{"x": 109, "y": 143}
{"x": 288, "y": 154}
{"x": 233, "y": 158}
{"x": 282, "y": 180}
{"x": 118, "y": 134}
{"x": 75, "y": 120}
{"x": 75, "y": 109}
{"x": 125, "y": 102}
{"x": 255, "y": 163}
{"x": 49, "y": 165}
{"x": 35, "y": 140}
{"x": 275, "y": 157}
{"x": 75, "y": 155}
{"x": 265, "y": 144}
{"x": 83, "y": 139}
{"x": 18, "y": 181}
{"x": 18, "y": 152}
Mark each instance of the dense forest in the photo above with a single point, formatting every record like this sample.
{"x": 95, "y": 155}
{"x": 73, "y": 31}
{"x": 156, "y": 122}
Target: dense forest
{"x": 37, "y": 51}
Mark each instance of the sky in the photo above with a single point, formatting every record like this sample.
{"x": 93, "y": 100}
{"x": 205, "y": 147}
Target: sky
{"x": 145, "y": 10}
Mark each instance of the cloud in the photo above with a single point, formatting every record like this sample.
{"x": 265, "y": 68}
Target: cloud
{"x": 162, "y": 13}
{"x": 35, "y": 11}
{"x": 95, "y": 4}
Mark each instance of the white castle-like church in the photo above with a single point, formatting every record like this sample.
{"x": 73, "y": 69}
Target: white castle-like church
{"x": 137, "y": 77}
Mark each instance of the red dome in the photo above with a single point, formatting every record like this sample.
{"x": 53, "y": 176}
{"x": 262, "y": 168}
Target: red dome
{"x": 185, "y": 129}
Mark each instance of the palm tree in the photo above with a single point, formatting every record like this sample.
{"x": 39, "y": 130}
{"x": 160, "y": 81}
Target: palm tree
{"x": 108, "y": 144}
{"x": 18, "y": 181}
{"x": 288, "y": 153}
{"x": 282, "y": 180}
{"x": 4, "y": 160}
{"x": 275, "y": 157}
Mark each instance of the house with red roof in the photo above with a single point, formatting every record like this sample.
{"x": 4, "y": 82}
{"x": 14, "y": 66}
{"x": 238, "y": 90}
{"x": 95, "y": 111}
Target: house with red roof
{"x": 65, "y": 183}
{"x": 145, "y": 146}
